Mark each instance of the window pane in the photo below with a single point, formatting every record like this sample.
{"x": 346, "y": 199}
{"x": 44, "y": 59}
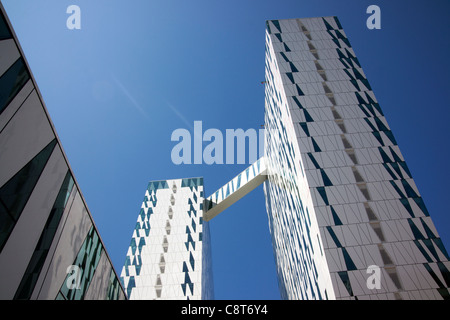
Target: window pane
{"x": 15, "y": 193}
{"x": 12, "y": 81}
{"x": 4, "y": 30}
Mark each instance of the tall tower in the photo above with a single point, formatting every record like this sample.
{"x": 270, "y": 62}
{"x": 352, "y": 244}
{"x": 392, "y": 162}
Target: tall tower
{"x": 169, "y": 256}
{"x": 344, "y": 212}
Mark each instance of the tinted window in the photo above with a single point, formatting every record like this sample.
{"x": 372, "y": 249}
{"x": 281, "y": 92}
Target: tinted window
{"x": 12, "y": 81}
{"x": 4, "y": 30}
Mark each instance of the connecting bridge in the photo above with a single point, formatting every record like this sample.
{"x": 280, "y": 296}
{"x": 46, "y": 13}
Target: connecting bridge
{"x": 235, "y": 189}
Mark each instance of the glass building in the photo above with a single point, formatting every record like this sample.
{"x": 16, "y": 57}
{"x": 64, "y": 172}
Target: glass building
{"x": 170, "y": 251}
{"x": 341, "y": 201}
{"x": 49, "y": 244}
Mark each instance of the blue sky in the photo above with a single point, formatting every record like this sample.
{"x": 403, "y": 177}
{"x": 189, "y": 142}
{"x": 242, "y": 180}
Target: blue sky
{"x": 137, "y": 70}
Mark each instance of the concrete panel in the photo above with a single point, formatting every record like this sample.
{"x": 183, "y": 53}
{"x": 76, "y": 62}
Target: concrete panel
{"x": 99, "y": 283}
{"x": 28, "y": 132}
{"x": 15, "y": 104}
{"x": 54, "y": 245}
{"x": 9, "y": 55}
{"x": 22, "y": 242}
{"x": 75, "y": 230}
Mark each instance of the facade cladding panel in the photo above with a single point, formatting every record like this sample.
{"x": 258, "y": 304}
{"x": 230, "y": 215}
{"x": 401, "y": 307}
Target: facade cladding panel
{"x": 340, "y": 197}
{"x": 170, "y": 255}
{"x": 45, "y": 226}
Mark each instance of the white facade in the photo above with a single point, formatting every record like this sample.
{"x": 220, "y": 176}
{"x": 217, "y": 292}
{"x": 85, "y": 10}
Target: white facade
{"x": 301, "y": 262}
{"x": 346, "y": 218}
{"x": 169, "y": 255}
{"x": 339, "y": 195}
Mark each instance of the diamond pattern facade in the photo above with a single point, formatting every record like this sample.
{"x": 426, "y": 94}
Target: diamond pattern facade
{"x": 169, "y": 256}
{"x": 340, "y": 197}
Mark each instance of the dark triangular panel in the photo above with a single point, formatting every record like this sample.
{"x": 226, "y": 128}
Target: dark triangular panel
{"x": 15, "y": 193}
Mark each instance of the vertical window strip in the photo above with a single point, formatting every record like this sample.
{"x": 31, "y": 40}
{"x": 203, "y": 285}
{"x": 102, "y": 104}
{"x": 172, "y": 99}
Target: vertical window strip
{"x": 86, "y": 261}
{"x": 113, "y": 290}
